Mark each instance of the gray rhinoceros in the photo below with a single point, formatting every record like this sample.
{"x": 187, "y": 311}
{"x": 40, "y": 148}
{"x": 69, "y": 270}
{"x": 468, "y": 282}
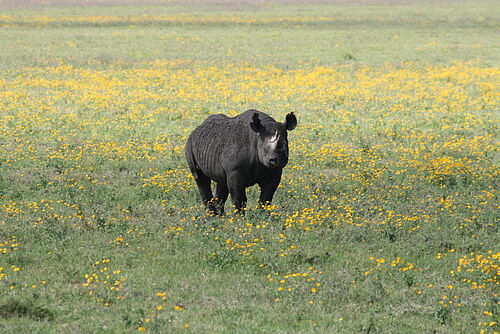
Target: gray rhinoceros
{"x": 238, "y": 152}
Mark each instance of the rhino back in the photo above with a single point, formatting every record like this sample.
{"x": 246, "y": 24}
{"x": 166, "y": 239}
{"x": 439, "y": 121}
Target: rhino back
{"x": 219, "y": 143}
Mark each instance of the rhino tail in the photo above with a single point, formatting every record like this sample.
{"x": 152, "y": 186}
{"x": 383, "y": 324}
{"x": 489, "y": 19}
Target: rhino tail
{"x": 188, "y": 151}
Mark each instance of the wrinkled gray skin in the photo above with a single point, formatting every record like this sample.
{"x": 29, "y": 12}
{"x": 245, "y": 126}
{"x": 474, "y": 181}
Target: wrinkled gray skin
{"x": 238, "y": 152}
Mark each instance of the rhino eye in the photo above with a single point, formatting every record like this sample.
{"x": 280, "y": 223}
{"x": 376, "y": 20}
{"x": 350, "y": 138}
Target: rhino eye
{"x": 281, "y": 146}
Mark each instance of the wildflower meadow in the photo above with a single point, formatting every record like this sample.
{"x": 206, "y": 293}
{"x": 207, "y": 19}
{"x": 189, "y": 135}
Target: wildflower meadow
{"x": 386, "y": 219}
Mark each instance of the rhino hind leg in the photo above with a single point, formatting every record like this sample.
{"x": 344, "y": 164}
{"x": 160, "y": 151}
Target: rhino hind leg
{"x": 202, "y": 181}
{"x": 205, "y": 189}
{"x": 221, "y": 194}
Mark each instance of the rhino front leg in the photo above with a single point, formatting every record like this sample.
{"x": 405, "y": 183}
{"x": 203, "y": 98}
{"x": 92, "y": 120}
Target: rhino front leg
{"x": 268, "y": 186}
{"x": 237, "y": 191}
{"x": 221, "y": 194}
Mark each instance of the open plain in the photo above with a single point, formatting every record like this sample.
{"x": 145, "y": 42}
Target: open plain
{"x": 386, "y": 219}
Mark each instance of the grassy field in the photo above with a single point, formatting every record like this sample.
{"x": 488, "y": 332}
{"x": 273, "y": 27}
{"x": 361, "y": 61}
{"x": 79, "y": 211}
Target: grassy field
{"x": 386, "y": 217}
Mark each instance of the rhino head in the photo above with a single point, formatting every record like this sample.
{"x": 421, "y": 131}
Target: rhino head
{"x": 272, "y": 142}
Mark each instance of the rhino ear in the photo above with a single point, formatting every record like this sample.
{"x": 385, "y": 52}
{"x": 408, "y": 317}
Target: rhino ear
{"x": 255, "y": 125}
{"x": 290, "y": 121}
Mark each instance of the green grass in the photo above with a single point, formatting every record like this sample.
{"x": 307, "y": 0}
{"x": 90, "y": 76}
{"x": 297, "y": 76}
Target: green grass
{"x": 372, "y": 33}
{"x": 387, "y": 210}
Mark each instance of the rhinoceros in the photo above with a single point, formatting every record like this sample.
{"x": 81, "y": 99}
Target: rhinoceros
{"x": 238, "y": 152}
